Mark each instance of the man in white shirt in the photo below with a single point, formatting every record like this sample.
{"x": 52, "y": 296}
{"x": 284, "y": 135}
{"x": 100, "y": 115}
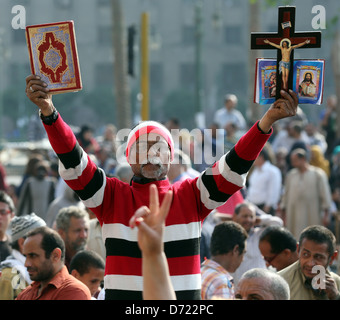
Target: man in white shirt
{"x": 315, "y": 137}
{"x": 229, "y": 114}
{"x": 265, "y": 184}
{"x": 254, "y": 223}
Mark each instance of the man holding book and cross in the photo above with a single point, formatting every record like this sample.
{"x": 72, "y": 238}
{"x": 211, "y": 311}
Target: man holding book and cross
{"x": 149, "y": 151}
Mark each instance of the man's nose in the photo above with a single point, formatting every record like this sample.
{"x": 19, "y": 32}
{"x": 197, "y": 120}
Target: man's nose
{"x": 153, "y": 151}
{"x": 311, "y": 262}
{"x": 27, "y": 263}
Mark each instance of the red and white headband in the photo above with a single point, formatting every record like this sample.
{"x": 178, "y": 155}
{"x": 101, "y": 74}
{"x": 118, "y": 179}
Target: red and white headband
{"x": 146, "y": 127}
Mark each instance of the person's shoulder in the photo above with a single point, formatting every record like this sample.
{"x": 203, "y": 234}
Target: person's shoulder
{"x": 318, "y": 171}
{"x": 273, "y": 168}
{"x": 220, "y": 111}
{"x": 70, "y": 280}
{"x": 289, "y": 271}
{"x": 237, "y": 112}
{"x": 74, "y": 289}
{"x": 336, "y": 277}
{"x": 7, "y": 274}
{"x": 25, "y": 294}
{"x": 114, "y": 182}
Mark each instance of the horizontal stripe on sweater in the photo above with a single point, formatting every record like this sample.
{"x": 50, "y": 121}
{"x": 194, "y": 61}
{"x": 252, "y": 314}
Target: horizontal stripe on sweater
{"x": 171, "y": 233}
{"x": 72, "y": 159}
{"x": 216, "y": 184}
{"x": 135, "y": 283}
{"x": 72, "y": 169}
{"x": 172, "y": 249}
{"x": 237, "y": 164}
{"x": 219, "y": 182}
{"x": 111, "y": 294}
{"x": 179, "y": 266}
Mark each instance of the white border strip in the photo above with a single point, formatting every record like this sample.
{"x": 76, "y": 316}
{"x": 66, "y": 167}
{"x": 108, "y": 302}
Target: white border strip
{"x": 135, "y": 283}
{"x": 230, "y": 175}
{"x": 73, "y": 173}
{"x": 171, "y": 233}
{"x": 98, "y": 197}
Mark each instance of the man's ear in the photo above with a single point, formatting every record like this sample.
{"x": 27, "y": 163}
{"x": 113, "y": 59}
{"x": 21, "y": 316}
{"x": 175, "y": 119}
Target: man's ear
{"x": 75, "y": 273}
{"x": 333, "y": 257}
{"x": 236, "y": 250}
{"x": 56, "y": 255}
{"x": 21, "y": 243}
{"x": 287, "y": 252}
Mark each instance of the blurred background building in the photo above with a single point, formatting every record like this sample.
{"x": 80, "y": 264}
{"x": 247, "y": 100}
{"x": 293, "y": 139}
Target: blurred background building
{"x": 223, "y": 44}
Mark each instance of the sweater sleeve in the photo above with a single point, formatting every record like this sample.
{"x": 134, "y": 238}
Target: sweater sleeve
{"x": 75, "y": 166}
{"x": 217, "y": 183}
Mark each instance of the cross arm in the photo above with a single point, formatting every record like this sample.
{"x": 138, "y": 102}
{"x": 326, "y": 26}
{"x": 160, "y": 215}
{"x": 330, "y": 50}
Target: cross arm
{"x": 258, "y": 40}
{"x": 272, "y": 44}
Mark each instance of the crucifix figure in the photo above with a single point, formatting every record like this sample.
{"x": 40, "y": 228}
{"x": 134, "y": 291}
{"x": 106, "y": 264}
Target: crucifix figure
{"x": 285, "y": 41}
{"x": 284, "y": 64}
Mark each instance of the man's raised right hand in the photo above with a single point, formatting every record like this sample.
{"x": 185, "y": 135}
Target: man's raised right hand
{"x": 38, "y": 93}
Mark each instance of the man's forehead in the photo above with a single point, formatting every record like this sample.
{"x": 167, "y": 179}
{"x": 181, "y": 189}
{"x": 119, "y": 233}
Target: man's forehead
{"x": 152, "y": 136}
{"x": 247, "y": 210}
{"x": 314, "y": 247}
{"x": 76, "y": 222}
{"x": 34, "y": 240}
{"x": 3, "y": 205}
{"x": 32, "y": 244}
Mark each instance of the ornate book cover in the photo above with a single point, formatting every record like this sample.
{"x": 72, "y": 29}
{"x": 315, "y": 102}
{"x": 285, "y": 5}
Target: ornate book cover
{"x": 308, "y": 81}
{"x": 53, "y": 55}
{"x": 265, "y": 82}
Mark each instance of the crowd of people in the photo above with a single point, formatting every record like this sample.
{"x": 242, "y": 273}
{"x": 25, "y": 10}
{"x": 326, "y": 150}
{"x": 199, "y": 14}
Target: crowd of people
{"x": 255, "y": 219}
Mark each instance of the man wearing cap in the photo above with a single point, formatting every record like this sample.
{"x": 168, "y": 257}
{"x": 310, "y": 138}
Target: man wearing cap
{"x": 14, "y": 276}
{"x": 149, "y": 151}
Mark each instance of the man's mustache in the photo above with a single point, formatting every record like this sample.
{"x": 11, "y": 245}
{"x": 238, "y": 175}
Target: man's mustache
{"x": 154, "y": 160}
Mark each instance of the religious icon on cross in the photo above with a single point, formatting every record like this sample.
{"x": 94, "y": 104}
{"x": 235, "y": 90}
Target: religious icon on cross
{"x": 284, "y": 65}
{"x": 285, "y": 41}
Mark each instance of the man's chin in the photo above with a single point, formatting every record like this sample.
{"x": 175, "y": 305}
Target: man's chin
{"x": 151, "y": 171}
{"x": 79, "y": 246}
{"x": 33, "y": 276}
{"x": 151, "y": 176}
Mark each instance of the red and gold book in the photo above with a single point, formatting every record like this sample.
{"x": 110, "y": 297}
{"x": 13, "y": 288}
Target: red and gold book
{"x": 53, "y": 55}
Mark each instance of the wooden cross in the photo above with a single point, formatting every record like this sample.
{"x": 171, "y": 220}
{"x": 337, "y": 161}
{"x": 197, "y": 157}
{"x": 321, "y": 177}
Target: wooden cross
{"x": 285, "y": 41}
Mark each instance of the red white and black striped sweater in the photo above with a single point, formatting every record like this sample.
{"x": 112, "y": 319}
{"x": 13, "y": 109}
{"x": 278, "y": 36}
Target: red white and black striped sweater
{"x": 114, "y": 202}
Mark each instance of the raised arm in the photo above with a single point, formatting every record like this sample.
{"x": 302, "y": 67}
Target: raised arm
{"x": 300, "y": 44}
{"x": 227, "y": 175}
{"x": 77, "y": 169}
{"x": 272, "y": 44}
